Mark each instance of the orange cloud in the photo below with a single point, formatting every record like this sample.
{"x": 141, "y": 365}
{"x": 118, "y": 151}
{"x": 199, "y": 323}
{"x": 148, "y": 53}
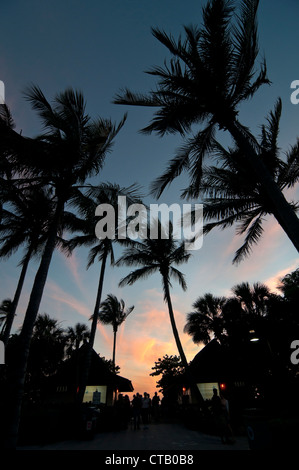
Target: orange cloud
{"x": 274, "y": 281}
{"x": 56, "y": 293}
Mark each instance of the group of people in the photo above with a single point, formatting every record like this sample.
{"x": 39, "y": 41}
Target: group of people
{"x": 141, "y": 410}
{"x": 144, "y": 408}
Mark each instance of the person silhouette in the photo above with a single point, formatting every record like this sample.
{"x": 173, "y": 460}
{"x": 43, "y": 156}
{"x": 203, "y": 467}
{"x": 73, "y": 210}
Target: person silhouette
{"x": 155, "y": 406}
{"x": 220, "y": 412}
{"x": 136, "y": 405}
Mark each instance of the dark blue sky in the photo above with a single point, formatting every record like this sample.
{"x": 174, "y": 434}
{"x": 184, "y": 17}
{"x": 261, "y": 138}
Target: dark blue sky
{"x": 100, "y": 47}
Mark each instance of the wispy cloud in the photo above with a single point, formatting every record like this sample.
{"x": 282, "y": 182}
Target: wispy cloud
{"x": 274, "y": 281}
{"x": 60, "y": 299}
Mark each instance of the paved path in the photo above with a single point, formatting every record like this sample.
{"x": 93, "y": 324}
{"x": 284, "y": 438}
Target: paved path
{"x": 154, "y": 437}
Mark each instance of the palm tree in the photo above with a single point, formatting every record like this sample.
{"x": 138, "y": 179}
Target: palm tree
{"x": 5, "y": 309}
{"x": 159, "y": 255}
{"x": 113, "y": 312}
{"x": 46, "y": 348}
{"x": 25, "y": 222}
{"x": 253, "y": 300}
{"x": 102, "y": 249}
{"x": 231, "y": 196}
{"x": 206, "y": 320}
{"x": 230, "y": 319}
{"x": 105, "y": 193}
{"x": 72, "y": 150}
{"x": 75, "y": 336}
{"x": 211, "y": 72}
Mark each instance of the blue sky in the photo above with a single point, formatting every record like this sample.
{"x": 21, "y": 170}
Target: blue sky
{"x": 100, "y": 47}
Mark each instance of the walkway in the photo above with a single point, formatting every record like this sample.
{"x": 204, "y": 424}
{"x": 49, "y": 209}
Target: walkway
{"x": 165, "y": 437}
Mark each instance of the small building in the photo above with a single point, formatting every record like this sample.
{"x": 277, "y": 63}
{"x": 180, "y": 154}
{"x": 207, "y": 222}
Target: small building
{"x": 102, "y": 384}
{"x": 243, "y": 374}
{"x": 213, "y": 368}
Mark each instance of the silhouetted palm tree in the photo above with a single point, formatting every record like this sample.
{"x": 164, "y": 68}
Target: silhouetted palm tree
{"x": 75, "y": 336}
{"x": 105, "y": 193}
{"x": 230, "y": 319}
{"x": 72, "y": 149}
{"x": 232, "y": 196}
{"x": 211, "y": 72}
{"x": 25, "y": 223}
{"x": 5, "y": 309}
{"x": 113, "y": 312}
{"x": 253, "y": 299}
{"x": 206, "y": 320}
{"x": 46, "y": 351}
{"x": 160, "y": 255}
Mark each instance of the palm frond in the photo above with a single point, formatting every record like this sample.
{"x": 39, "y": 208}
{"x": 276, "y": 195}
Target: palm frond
{"x": 135, "y": 99}
{"x": 140, "y": 273}
{"x": 253, "y": 235}
{"x": 246, "y": 52}
{"x": 176, "y": 274}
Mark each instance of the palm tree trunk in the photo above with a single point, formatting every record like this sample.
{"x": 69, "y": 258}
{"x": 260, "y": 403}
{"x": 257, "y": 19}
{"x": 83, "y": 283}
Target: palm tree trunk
{"x": 16, "y": 377}
{"x": 173, "y": 323}
{"x": 87, "y": 360}
{"x": 114, "y": 348}
{"x": 193, "y": 386}
{"x": 16, "y": 298}
{"x": 281, "y": 209}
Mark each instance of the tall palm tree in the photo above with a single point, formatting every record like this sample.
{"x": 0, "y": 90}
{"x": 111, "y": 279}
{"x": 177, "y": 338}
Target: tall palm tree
{"x": 25, "y": 223}
{"x": 211, "y": 72}
{"x": 102, "y": 249}
{"x": 113, "y": 312}
{"x": 159, "y": 255}
{"x": 231, "y": 196}
{"x": 206, "y": 320}
{"x": 72, "y": 149}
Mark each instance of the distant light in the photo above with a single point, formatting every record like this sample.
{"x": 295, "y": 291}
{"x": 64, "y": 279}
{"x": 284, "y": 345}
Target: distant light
{"x": 253, "y": 336}
{"x": 222, "y": 386}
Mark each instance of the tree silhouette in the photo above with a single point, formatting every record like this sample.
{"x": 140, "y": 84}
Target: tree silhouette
{"x": 206, "y": 320}
{"x": 112, "y": 312}
{"x": 101, "y": 249}
{"x": 72, "y": 149}
{"x": 211, "y": 72}
{"x": 159, "y": 255}
{"x": 231, "y": 196}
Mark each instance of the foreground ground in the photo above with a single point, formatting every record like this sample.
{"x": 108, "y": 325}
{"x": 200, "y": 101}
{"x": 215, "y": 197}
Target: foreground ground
{"x": 156, "y": 436}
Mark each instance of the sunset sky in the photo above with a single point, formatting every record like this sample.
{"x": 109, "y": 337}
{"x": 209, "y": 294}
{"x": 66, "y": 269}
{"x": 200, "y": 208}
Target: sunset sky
{"x": 100, "y": 47}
